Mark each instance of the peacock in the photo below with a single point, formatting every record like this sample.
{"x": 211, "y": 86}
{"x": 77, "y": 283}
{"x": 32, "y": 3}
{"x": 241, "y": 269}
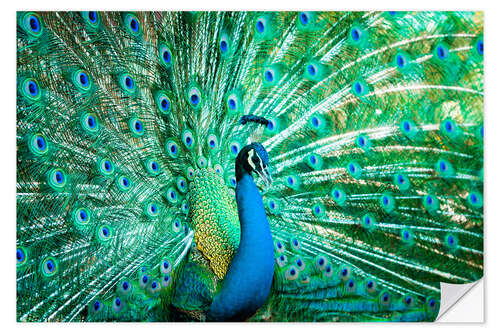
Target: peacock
{"x": 247, "y": 166}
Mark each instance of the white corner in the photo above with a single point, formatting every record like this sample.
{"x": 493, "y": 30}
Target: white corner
{"x": 462, "y": 303}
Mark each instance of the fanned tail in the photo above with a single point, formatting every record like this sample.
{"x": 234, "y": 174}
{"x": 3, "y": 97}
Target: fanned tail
{"x": 127, "y": 130}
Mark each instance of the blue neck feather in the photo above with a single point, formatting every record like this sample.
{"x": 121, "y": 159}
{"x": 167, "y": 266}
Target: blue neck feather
{"x": 250, "y": 274}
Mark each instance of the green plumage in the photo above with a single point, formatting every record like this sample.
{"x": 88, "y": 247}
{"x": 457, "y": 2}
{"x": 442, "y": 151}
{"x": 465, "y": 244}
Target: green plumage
{"x": 127, "y": 133}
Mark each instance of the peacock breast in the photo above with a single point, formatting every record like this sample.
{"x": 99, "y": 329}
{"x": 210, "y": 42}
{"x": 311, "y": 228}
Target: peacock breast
{"x": 213, "y": 217}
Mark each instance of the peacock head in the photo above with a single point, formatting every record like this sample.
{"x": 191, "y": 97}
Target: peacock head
{"x": 253, "y": 158}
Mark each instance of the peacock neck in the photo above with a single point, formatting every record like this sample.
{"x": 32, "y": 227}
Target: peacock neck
{"x": 251, "y": 212}
{"x": 249, "y": 277}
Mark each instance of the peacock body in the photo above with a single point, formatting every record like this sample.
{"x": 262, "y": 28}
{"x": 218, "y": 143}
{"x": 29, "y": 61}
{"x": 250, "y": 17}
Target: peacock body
{"x": 144, "y": 140}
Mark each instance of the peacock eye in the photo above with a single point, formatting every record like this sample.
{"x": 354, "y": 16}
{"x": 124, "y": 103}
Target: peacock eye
{"x": 255, "y": 159}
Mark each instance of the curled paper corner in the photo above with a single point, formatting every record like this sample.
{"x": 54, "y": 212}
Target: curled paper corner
{"x": 462, "y": 302}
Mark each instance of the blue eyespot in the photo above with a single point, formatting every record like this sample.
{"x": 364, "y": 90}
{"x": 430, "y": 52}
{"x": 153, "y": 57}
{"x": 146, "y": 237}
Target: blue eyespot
{"x": 406, "y": 126}
{"x": 40, "y": 143}
{"x": 194, "y": 99}
{"x": 83, "y": 215}
{"x": 388, "y": 203}
{"x": 171, "y": 195}
{"x": 105, "y": 167}
{"x": 232, "y": 104}
{"x": 125, "y": 285}
{"x": 355, "y": 34}
{"x": 32, "y": 88}
{"x": 145, "y": 279}
{"x": 234, "y": 149}
{"x": 432, "y": 302}
{"x": 448, "y": 125}
{"x": 34, "y": 23}
{"x": 270, "y": 126}
{"x": 97, "y": 306}
{"x": 370, "y": 286}
{"x": 59, "y": 177}
{"x": 451, "y": 241}
{"x": 129, "y": 82}
{"x": 173, "y": 149}
{"x": 167, "y": 57}
{"x": 188, "y": 139}
{"x": 311, "y": 69}
{"x": 136, "y": 127}
{"x": 401, "y": 61}
{"x": 259, "y": 25}
{"x": 358, "y": 87}
{"x": 315, "y": 121}
{"x": 442, "y": 52}
{"x": 269, "y": 75}
{"x": 304, "y": 19}
{"x": 134, "y": 25}
{"x": 84, "y": 79}
{"x": 223, "y": 46}
{"x": 92, "y": 16}
{"x": 91, "y": 122}
{"x": 20, "y": 256}
{"x": 50, "y": 266}
{"x": 480, "y": 47}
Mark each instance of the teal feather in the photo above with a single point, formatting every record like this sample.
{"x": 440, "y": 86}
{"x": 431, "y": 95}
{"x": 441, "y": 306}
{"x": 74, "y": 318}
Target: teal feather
{"x": 128, "y": 127}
